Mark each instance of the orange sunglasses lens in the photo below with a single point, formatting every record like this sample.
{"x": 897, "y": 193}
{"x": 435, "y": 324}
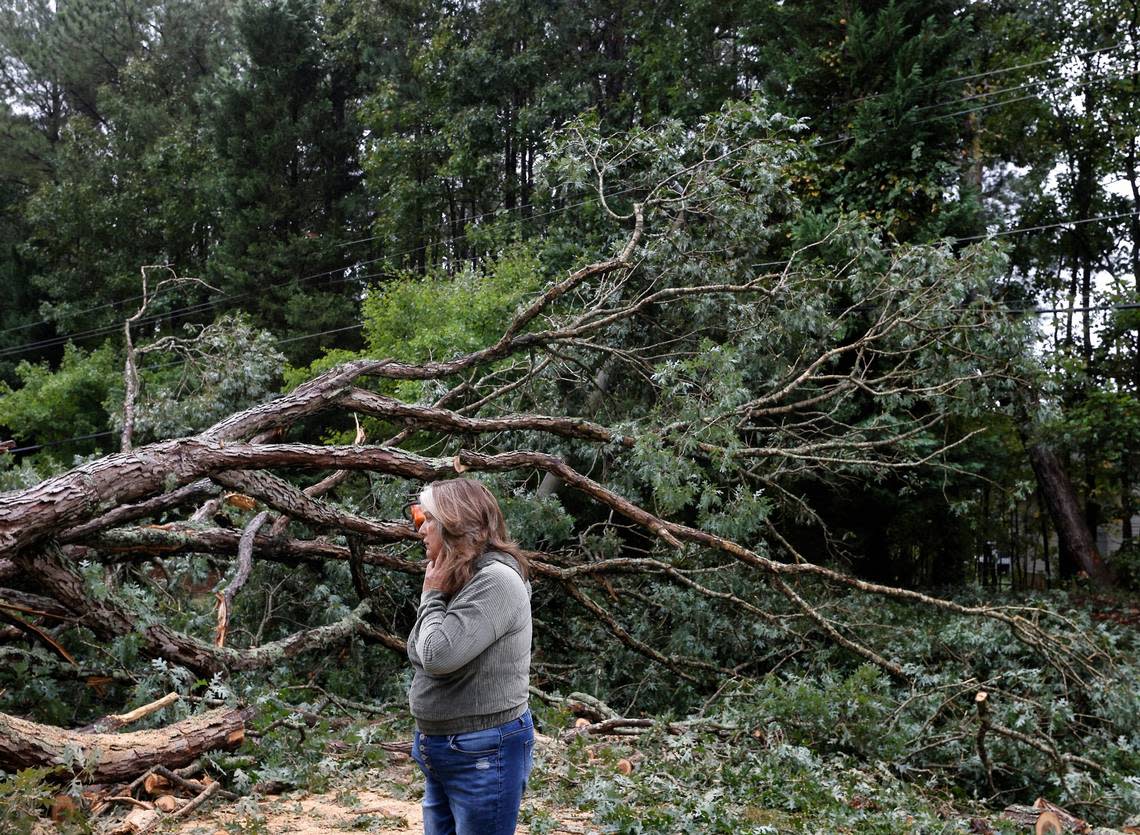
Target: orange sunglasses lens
{"x": 418, "y": 517}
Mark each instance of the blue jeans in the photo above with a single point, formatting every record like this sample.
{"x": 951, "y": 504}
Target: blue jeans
{"x": 475, "y": 780}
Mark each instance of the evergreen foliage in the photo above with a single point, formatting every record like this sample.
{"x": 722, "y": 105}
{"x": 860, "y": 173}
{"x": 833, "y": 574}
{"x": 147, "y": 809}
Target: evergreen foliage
{"x": 364, "y": 180}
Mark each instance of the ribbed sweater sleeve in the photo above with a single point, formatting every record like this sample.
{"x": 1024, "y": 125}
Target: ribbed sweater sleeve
{"x": 485, "y": 609}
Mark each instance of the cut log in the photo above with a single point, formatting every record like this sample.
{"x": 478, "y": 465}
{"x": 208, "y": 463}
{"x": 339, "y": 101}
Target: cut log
{"x": 109, "y": 757}
{"x": 1046, "y": 818}
{"x": 155, "y": 784}
{"x": 1048, "y": 824}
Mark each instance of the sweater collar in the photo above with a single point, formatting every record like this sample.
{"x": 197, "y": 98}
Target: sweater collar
{"x": 489, "y": 557}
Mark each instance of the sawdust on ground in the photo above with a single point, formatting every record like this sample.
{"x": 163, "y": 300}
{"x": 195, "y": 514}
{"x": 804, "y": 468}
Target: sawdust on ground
{"x": 381, "y": 800}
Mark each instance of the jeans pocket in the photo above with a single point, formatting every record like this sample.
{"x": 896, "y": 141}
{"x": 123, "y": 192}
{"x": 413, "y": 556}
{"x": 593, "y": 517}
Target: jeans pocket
{"x": 524, "y": 724}
{"x": 477, "y": 743}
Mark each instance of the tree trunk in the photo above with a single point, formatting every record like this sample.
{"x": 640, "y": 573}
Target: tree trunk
{"x": 1065, "y": 511}
{"x": 1127, "y": 506}
{"x": 109, "y": 758}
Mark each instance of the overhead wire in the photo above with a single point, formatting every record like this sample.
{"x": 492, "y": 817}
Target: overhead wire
{"x": 160, "y": 366}
{"x": 1001, "y": 70}
{"x": 498, "y": 213}
{"x": 92, "y": 436}
{"x": 1071, "y": 85}
{"x": 193, "y": 308}
{"x": 105, "y": 330}
{"x": 350, "y": 265}
{"x": 17, "y": 349}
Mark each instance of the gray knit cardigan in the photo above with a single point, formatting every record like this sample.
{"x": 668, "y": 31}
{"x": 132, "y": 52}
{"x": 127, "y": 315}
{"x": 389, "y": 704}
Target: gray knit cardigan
{"x": 471, "y": 654}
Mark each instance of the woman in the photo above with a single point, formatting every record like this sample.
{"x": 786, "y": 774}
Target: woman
{"x": 470, "y": 650}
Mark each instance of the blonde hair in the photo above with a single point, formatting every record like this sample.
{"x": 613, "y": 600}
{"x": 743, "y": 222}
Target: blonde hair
{"x": 471, "y": 524}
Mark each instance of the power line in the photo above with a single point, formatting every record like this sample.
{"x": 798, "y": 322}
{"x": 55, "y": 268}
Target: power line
{"x": 1037, "y": 311}
{"x": 1045, "y": 226}
{"x": 500, "y": 212}
{"x": 1000, "y": 233}
{"x": 102, "y": 330}
{"x": 1053, "y": 60}
{"x": 999, "y": 71}
{"x": 193, "y": 308}
{"x": 980, "y": 108}
{"x": 159, "y": 366}
{"x": 108, "y": 329}
{"x": 47, "y": 444}
{"x": 1106, "y": 76}
{"x": 351, "y": 265}
{"x": 1049, "y": 311}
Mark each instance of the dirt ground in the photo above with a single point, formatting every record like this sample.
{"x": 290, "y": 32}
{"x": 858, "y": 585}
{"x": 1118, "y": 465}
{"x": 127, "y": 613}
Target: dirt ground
{"x": 314, "y": 814}
{"x": 382, "y": 800}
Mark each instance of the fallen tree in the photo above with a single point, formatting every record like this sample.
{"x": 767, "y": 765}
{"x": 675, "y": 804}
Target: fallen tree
{"x": 737, "y": 385}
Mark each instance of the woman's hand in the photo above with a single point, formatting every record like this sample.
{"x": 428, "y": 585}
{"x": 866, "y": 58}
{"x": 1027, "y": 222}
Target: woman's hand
{"x": 433, "y": 547}
{"x": 434, "y": 575}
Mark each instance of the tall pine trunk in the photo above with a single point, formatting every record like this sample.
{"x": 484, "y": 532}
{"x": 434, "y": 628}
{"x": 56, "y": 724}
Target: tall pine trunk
{"x": 1065, "y": 511}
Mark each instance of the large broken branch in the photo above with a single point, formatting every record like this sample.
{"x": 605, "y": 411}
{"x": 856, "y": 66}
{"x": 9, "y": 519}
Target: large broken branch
{"x": 191, "y": 458}
{"x": 427, "y": 417}
{"x": 85, "y": 491}
{"x": 111, "y": 757}
{"x": 186, "y": 494}
{"x": 121, "y": 720}
{"x": 178, "y": 539}
{"x": 284, "y": 497}
{"x": 244, "y": 568}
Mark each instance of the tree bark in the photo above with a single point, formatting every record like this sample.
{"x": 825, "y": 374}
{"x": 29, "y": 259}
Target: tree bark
{"x": 33, "y": 604}
{"x": 89, "y": 490}
{"x": 110, "y": 757}
{"x": 189, "y": 493}
{"x": 183, "y": 539}
{"x": 1065, "y": 511}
